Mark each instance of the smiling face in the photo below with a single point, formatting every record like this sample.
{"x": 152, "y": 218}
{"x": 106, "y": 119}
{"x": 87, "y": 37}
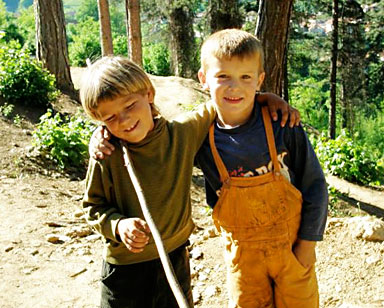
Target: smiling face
{"x": 128, "y": 117}
{"x": 232, "y": 84}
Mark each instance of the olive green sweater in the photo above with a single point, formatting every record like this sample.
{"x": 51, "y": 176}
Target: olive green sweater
{"x": 163, "y": 162}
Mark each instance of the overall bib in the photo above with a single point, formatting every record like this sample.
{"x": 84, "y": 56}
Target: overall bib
{"x": 259, "y": 218}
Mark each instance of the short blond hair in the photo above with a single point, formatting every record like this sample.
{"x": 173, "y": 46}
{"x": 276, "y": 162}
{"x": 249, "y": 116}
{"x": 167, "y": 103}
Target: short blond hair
{"x": 109, "y": 78}
{"x": 229, "y": 43}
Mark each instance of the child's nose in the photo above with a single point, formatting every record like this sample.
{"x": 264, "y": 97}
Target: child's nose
{"x": 124, "y": 116}
{"x": 234, "y": 83}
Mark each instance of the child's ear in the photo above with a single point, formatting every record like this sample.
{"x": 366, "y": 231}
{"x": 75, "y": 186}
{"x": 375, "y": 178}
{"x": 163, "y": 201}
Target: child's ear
{"x": 202, "y": 79}
{"x": 151, "y": 97}
{"x": 261, "y": 80}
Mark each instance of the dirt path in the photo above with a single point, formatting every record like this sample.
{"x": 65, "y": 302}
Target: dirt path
{"x": 50, "y": 258}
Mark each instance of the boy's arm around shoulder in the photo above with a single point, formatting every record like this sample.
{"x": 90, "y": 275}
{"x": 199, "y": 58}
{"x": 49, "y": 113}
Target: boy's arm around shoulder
{"x": 311, "y": 182}
{"x": 195, "y": 124}
{"x": 96, "y": 203}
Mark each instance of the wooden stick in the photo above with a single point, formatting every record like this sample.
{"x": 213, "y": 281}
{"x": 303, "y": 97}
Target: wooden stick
{"x": 164, "y": 258}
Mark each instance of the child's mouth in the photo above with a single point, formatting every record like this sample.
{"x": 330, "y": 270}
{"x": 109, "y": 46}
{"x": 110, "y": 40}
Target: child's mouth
{"x": 233, "y": 100}
{"x": 131, "y": 128}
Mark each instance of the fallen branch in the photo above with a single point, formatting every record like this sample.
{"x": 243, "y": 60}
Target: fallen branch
{"x": 164, "y": 258}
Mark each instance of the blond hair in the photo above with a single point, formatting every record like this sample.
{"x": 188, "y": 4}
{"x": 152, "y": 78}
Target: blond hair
{"x": 229, "y": 43}
{"x": 109, "y": 78}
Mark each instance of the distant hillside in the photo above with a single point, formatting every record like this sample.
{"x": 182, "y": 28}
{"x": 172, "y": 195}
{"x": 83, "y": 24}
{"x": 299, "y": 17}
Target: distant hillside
{"x": 12, "y": 5}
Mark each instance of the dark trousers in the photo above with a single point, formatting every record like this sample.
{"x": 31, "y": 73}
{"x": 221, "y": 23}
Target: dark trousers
{"x": 144, "y": 285}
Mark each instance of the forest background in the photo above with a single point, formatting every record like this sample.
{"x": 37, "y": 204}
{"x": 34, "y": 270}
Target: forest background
{"x": 356, "y": 150}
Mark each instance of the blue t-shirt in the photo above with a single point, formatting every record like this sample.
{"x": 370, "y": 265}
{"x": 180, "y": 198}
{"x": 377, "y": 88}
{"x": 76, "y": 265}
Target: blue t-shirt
{"x": 244, "y": 151}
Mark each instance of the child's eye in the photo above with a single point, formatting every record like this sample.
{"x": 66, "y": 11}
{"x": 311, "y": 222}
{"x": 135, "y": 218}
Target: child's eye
{"x": 222, "y": 76}
{"x": 110, "y": 119}
{"x": 246, "y": 77}
{"x": 130, "y": 106}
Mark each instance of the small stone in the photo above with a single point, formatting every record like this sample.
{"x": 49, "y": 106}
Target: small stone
{"x": 196, "y": 253}
{"x": 196, "y": 296}
{"x": 52, "y": 238}
{"x": 203, "y": 277}
{"x": 79, "y": 232}
{"x": 78, "y": 213}
{"x": 30, "y": 270}
{"x": 34, "y": 252}
{"x": 57, "y": 239}
{"x": 94, "y": 237}
{"x": 8, "y": 248}
{"x": 211, "y": 291}
{"x": 210, "y": 232}
{"x": 372, "y": 259}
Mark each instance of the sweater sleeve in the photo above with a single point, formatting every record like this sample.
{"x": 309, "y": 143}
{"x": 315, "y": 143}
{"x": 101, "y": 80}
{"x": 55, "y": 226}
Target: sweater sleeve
{"x": 97, "y": 201}
{"x": 196, "y": 124}
{"x": 311, "y": 182}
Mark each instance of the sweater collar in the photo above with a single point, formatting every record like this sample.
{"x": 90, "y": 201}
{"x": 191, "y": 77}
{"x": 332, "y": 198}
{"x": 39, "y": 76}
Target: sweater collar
{"x": 153, "y": 134}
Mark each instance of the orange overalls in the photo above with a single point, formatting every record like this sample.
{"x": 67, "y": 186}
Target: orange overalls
{"x": 259, "y": 218}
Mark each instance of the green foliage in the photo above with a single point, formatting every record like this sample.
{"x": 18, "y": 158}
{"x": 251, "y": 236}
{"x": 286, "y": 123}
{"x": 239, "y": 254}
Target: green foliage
{"x": 22, "y": 78}
{"x": 311, "y": 98}
{"x": 6, "y": 110}
{"x": 26, "y": 27}
{"x": 156, "y": 59}
{"x": 85, "y": 42}
{"x": 370, "y": 130}
{"x": 349, "y": 160}
{"x": 63, "y": 140}
{"x": 120, "y": 46}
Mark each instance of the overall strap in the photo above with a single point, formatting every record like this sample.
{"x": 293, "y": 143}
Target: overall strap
{"x": 224, "y": 175}
{"x": 270, "y": 139}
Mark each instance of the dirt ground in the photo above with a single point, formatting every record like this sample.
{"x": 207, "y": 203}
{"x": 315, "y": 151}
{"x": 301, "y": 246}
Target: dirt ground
{"x": 49, "y": 257}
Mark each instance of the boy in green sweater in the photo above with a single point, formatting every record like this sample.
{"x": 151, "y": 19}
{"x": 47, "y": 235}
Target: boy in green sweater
{"x": 118, "y": 93}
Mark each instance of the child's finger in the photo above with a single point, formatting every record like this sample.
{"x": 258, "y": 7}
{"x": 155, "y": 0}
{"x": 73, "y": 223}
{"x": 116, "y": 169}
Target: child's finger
{"x": 142, "y": 225}
{"x": 106, "y": 133}
{"x": 284, "y": 117}
{"x": 294, "y": 117}
{"x": 273, "y": 112}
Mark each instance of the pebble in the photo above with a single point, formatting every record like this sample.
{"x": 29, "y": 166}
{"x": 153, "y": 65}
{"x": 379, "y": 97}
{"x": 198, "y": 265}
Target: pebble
{"x": 372, "y": 259}
{"x": 211, "y": 291}
{"x": 8, "y": 248}
{"x": 196, "y": 253}
{"x": 196, "y": 296}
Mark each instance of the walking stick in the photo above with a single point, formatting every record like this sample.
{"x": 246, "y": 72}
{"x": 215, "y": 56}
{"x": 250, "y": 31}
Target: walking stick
{"x": 164, "y": 258}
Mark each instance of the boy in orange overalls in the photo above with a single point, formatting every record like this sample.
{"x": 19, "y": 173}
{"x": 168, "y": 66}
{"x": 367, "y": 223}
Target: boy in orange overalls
{"x": 264, "y": 182}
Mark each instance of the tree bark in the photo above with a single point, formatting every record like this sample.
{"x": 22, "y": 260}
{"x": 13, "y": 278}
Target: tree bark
{"x": 51, "y": 43}
{"x": 180, "y": 17}
{"x": 105, "y": 28}
{"x": 272, "y": 30}
{"x": 224, "y": 15}
{"x": 335, "y": 38}
{"x": 134, "y": 31}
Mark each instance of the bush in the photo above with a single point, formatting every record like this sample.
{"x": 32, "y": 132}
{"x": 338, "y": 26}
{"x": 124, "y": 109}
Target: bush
{"x": 23, "y": 79}
{"x": 84, "y": 42}
{"x": 349, "y": 160}
{"x": 156, "y": 59}
{"x": 63, "y": 140}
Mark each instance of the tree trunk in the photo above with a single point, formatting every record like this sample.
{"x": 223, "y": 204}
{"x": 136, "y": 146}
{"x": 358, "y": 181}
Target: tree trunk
{"x": 182, "y": 40}
{"x": 335, "y": 38}
{"x": 272, "y": 30}
{"x": 105, "y": 28}
{"x": 224, "y": 15}
{"x": 134, "y": 31}
{"x": 352, "y": 57}
{"x": 51, "y": 43}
